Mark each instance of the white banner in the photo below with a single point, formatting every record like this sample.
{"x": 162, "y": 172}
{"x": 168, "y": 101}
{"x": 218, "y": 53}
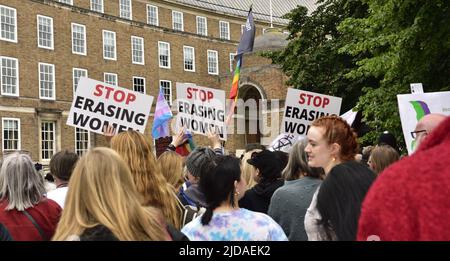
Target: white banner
{"x": 413, "y": 107}
{"x": 303, "y": 107}
{"x": 97, "y": 104}
{"x": 201, "y": 108}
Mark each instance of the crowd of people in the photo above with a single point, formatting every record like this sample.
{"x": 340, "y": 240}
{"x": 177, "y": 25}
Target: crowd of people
{"x": 325, "y": 188}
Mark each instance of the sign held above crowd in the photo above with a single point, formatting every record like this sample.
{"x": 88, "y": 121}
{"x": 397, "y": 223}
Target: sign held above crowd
{"x": 97, "y": 104}
{"x": 412, "y": 107}
{"x": 201, "y": 109}
{"x": 303, "y": 107}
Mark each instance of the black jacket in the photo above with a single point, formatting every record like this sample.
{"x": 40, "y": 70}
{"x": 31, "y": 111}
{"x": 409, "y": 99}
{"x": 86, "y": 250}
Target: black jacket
{"x": 258, "y": 198}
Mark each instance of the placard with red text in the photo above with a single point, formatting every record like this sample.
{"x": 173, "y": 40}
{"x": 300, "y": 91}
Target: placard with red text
{"x": 303, "y": 107}
{"x": 201, "y": 108}
{"x": 97, "y": 104}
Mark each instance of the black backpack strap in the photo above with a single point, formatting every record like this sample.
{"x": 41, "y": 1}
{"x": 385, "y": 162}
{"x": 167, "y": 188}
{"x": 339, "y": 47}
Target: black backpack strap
{"x": 41, "y": 232}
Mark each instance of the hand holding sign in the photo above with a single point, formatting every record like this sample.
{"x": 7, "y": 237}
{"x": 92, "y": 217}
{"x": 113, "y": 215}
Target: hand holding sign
{"x": 179, "y": 138}
{"x": 214, "y": 137}
{"x": 97, "y": 104}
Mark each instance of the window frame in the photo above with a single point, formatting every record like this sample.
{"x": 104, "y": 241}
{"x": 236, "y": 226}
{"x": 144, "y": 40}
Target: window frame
{"x": 232, "y": 61}
{"x": 51, "y": 47}
{"x": 70, "y": 2}
{"x": 168, "y": 56}
{"x": 184, "y": 58}
{"x": 157, "y": 14}
{"x": 206, "y": 25}
{"x": 115, "y": 45}
{"x": 217, "y": 61}
{"x": 173, "y": 20}
{"x": 143, "y": 78}
{"x": 170, "y": 90}
{"x": 228, "y": 31}
{"x": 15, "y": 25}
{"x": 84, "y": 39}
{"x": 103, "y": 6}
{"x": 73, "y": 77}
{"x": 19, "y": 140}
{"x": 143, "y": 50}
{"x": 55, "y": 129}
{"x": 114, "y": 74}
{"x": 131, "y": 10}
{"x": 76, "y": 141}
{"x": 17, "y": 77}
{"x": 53, "y": 79}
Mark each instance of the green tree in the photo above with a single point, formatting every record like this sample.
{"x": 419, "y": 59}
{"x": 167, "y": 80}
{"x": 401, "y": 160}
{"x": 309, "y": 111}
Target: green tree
{"x": 406, "y": 41}
{"x": 311, "y": 58}
{"x": 368, "y": 51}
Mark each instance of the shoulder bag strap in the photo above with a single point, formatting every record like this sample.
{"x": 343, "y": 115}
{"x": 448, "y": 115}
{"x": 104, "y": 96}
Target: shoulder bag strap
{"x": 41, "y": 232}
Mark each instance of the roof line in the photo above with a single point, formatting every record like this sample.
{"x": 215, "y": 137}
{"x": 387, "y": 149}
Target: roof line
{"x": 232, "y": 8}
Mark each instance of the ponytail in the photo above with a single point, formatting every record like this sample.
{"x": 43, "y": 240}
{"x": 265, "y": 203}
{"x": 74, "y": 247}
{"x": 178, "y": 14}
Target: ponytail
{"x": 207, "y": 216}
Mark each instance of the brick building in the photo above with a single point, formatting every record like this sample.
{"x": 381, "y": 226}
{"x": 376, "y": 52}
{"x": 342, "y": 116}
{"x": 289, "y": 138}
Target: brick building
{"x": 45, "y": 46}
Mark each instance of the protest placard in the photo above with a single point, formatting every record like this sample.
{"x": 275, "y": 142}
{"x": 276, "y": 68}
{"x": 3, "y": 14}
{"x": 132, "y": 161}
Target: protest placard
{"x": 97, "y": 104}
{"x": 303, "y": 107}
{"x": 413, "y": 107}
{"x": 201, "y": 109}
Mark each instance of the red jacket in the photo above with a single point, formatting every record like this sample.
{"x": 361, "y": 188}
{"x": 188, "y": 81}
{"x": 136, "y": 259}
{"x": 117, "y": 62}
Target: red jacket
{"x": 46, "y": 214}
{"x": 410, "y": 200}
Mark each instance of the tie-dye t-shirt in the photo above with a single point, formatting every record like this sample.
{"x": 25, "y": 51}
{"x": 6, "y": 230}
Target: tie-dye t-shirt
{"x": 236, "y": 225}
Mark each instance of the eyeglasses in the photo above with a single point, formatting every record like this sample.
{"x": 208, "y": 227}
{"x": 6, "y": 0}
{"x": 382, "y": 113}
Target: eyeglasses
{"x": 414, "y": 134}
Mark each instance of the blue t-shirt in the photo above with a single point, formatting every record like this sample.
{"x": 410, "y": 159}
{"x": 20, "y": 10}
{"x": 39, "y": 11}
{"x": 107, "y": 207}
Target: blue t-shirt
{"x": 236, "y": 225}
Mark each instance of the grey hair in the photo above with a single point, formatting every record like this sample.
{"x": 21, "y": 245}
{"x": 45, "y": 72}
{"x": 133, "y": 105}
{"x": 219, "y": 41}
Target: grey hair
{"x": 20, "y": 184}
{"x": 298, "y": 163}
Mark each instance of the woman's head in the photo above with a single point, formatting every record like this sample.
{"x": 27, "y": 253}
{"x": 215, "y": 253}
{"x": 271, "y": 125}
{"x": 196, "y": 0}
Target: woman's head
{"x": 101, "y": 192}
{"x": 172, "y": 168}
{"x": 248, "y": 171}
{"x": 137, "y": 152}
{"x": 381, "y": 157}
{"x": 62, "y": 164}
{"x": 221, "y": 182}
{"x": 340, "y": 198}
{"x": 298, "y": 163}
{"x": 268, "y": 166}
{"x": 20, "y": 184}
{"x": 199, "y": 157}
{"x": 330, "y": 141}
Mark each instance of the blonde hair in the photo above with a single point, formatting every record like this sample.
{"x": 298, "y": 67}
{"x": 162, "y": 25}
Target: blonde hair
{"x": 383, "y": 156}
{"x": 247, "y": 170}
{"x": 101, "y": 192}
{"x": 172, "y": 168}
{"x": 136, "y": 150}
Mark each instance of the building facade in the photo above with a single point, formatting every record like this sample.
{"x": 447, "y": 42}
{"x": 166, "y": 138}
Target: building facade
{"x": 46, "y": 46}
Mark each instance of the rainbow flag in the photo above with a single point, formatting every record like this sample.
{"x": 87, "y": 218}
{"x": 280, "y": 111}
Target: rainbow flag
{"x": 187, "y": 147}
{"x": 163, "y": 114}
{"x": 245, "y": 46}
{"x": 235, "y": 84}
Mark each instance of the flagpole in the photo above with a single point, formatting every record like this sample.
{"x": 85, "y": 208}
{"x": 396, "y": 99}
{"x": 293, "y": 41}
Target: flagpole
{"x": 271, "y": 15}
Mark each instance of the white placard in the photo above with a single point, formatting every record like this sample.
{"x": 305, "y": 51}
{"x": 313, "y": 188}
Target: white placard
{"x": 303, "y": 107}
{"x": 201, "y": 108}
{"x": 284, "y": 142}
{"x": 97, "y": 104}
{"x": 416, "y": 88}
{"x": 413, "y": 107}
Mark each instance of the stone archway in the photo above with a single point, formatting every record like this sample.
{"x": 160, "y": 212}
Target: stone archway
{"x": 249, "y": 91}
